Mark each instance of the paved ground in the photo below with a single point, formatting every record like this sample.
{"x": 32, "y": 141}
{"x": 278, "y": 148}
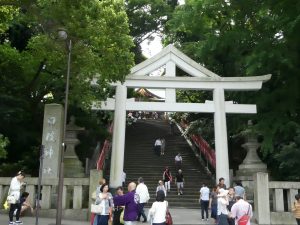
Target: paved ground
{"x": 180, "y": 217}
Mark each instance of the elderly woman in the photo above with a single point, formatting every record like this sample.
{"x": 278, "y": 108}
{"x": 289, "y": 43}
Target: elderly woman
{"x": 161, "y": 187}
{"x": 104, "y": 198}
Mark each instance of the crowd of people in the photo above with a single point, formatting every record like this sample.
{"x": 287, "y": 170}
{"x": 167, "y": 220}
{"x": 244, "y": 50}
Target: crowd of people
{"x": 228, "y": 206}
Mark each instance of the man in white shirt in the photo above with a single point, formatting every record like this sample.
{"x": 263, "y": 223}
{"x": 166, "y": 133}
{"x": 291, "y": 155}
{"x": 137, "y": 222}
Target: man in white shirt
{"x": 143, "y": 193}
{"x": 204, "y": 200}
{"x": 157, "y": 146}
{"x": 241, "y": 208}
{"x": 178, "y": 161}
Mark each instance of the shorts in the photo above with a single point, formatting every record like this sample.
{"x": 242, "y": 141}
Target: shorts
{"x": 179, "y": 184}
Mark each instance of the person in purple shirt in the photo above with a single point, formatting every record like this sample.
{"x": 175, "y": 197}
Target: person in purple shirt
{"x": 130, "y": 200}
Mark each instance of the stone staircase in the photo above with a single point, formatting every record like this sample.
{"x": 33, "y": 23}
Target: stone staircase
{"x": 140, "y": 161}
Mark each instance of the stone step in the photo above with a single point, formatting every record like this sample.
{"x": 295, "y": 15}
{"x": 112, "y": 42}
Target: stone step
{"x": 140, "y": 161}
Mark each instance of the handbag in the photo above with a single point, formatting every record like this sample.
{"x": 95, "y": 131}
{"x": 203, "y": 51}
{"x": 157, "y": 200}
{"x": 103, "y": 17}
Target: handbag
{"x": 169, "y": 220}
{"x": 11, "y": 199}
{"x": 97, "y": 209}
{"x": 122, "y": 217}
{"x": 244, "y": 219}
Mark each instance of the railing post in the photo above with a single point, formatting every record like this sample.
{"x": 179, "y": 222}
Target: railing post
{"x": 1, "y": 196}
{"x": 261, "y": 198}
{"x": 95, "y": 176}
{"x": 279, "y": 205}
{"x": 31, "y": 190}
{"x": 77, "y": 197}
{"x": 46, "y": 197}
{"x": 64, "y": 197}
{"x": 291, "y": 197}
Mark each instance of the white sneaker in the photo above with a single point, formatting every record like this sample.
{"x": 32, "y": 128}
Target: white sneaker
{"x": 18, "y": 222}
{"x": 11, "y": 223}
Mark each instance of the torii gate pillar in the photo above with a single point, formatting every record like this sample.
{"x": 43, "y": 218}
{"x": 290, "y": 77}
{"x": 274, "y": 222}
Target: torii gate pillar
{"x": 222, "y": 162}
{"x": 118, "y": 141}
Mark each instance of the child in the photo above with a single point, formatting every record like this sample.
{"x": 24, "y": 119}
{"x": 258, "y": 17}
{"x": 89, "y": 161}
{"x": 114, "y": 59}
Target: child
{"x": 24, "y": 201}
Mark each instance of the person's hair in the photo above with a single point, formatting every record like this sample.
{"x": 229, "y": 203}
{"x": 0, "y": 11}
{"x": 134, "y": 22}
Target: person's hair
{"x": 160, "y": 196}
{"x": 215, "y": 188}
{"x": 24, "y": 194}
{"x": 21, "y": 173}
{"x": 119, "y": 188}
{"x": 102, "y": 187}
{"x": 297, "y": 197}
{"x": 239, "y": 183}
{"x": 140, "y": 180}
{"x": 237, "y": 197}
{"x": 221, "y": 178}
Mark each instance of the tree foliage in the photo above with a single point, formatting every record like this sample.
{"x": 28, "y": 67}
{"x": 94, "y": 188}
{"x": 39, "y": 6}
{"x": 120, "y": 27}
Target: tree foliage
{"x": 3, "y": 144}
{"x": 146, "y": 19}
{"x": 33, "y": 62}
{"x": 246, "y": 38}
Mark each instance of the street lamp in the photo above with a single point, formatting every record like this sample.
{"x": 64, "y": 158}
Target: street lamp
{"x": 62, "y": 34}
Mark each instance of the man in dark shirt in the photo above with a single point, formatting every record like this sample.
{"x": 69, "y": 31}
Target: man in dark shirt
{"x": 179, "y": 180}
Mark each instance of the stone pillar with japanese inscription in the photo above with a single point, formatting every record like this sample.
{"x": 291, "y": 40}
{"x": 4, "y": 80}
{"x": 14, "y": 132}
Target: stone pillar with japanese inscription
{"x": 52, "y": 139}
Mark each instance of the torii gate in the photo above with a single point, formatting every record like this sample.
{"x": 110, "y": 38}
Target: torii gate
{"x": 202, "y": 79}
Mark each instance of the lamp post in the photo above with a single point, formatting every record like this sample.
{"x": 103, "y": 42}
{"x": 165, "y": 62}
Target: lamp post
{"x": 64, "y": 36}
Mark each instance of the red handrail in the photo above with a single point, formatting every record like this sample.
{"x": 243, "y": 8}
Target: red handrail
{"x": 206, "y": 150}
{"x": 104, "y": 151}
{"x": 203, "y": 146}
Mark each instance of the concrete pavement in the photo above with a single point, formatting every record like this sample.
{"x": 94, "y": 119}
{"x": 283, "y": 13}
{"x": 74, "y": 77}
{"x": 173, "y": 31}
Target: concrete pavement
{"x": 180, "y": 217}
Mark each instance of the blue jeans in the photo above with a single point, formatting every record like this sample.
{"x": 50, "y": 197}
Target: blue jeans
{"x": 102, "y": 219}
{"x": 204, "y": 207}
{"x": 222, "y": 219}
{"x": 141, "y": 212}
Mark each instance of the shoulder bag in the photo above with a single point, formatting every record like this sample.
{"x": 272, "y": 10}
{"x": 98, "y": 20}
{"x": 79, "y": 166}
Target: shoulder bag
{"x": 10, "y": 198}
{"x": 169, "y": 220}
{"x": 245, "y": 218}
{"x": 97, "y": 209}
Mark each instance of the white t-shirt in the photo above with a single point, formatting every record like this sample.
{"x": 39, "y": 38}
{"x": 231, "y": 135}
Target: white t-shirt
{"x": 222, "y": 206}
{"x": 142, "y": 191}
{"x": 15, "y": 187}
{"x": 158, "y": 211}
{"x": 157, "y": 142}
{"x": 204, "y": 193}
{"x": 178, "y": 158}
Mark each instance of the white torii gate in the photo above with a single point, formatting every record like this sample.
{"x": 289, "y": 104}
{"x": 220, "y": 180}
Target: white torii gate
{"x": 202, "y": 79}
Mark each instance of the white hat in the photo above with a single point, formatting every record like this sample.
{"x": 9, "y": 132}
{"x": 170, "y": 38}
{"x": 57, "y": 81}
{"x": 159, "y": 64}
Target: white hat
{"x": 223, "y": 192}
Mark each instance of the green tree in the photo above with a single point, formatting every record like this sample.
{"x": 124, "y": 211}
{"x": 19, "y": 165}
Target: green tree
{"x": 147, "y": 18}
{"x": 3, "y": 144}
{"x": 246, "y": 38}
{"x": 33, "y": 66}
